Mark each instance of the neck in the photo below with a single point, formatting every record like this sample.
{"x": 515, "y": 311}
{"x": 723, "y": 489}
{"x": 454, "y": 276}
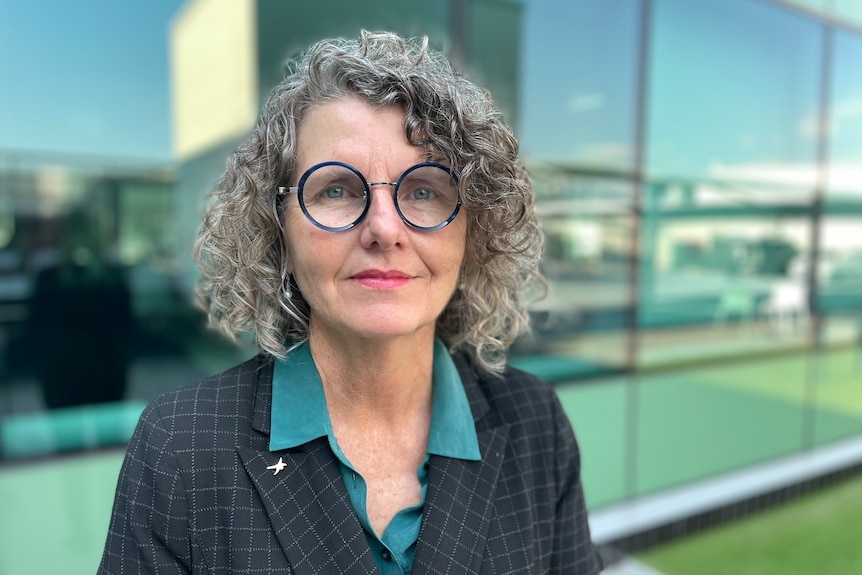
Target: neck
{"x": 379, "y": 381}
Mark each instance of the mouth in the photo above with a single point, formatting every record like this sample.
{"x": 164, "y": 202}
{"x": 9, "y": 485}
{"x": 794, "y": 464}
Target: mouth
{"x": 381, "y": 279}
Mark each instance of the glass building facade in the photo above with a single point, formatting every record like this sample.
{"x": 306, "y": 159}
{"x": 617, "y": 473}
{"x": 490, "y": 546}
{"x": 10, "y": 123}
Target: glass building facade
{"x": 698, "y": 171}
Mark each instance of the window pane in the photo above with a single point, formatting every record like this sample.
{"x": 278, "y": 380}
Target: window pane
{"x": 576, "y": 127}
{"x": 578, "y": 82}
{"x": 731, "y": 158}
{"x": 840, "y": 268}
{"x": 598, "y": 415}
{"x": 716, "y": 285}
{"x": 704, "y": 421}
{"x": 733, "y": 92}
{"x": 839, "y": 387}
{"x": 840, "y": 273}
{"x": 845, "y": 126}
{"x": 580, "y": 328}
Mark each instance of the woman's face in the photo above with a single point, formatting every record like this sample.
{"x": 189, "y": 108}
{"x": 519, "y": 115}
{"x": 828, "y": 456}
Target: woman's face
{"x": 382, "y": 278}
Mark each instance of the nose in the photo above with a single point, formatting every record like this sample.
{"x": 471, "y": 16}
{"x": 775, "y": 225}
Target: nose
{"x": 382, "y": 226}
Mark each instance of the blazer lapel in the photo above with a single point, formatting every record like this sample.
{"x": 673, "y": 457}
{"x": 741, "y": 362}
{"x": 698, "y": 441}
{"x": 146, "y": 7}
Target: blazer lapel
{"x": 458, "y": 508}
{"x": 309, "y": 509}
{"x": 305, "y": 500}
{"x": 461, "y": 494}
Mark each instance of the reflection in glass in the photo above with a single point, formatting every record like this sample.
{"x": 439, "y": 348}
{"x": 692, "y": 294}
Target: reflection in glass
{"x": 838, "y": 412}
{"x": 83, "y": 235}
{"x": 733, "y": 92}
{"x": 576, "y": 127}
{"x": 578, "y": 82}
{"x": 840, "y": 276}
{"x": 716, "y": 286}
{"x": 840, "y": 269}
{"x": 704, "y": 421}
{"x": 845, "y": 126}
{"x": 80, "y": 319}
{"x": 581, "y": 327}
{"x": 732, "y": 165}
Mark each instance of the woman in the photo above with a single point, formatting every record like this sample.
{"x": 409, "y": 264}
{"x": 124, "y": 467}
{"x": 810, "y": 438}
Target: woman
{"x": 375, "y": 234}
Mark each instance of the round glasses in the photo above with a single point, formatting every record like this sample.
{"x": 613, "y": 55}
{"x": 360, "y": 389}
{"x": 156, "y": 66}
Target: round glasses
{"x": 335, "y": 196}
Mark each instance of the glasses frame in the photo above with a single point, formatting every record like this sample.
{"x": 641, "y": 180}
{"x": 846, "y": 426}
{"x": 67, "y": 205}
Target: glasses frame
{"x": 298, "y": 190}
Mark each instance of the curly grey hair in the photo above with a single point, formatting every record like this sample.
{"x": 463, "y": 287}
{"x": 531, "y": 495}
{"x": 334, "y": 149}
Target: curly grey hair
{"x": 241, "y": 248}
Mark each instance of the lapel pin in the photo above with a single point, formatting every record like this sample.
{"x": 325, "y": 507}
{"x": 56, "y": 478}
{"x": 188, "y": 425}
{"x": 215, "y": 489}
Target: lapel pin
{"x": 278, "y": 466}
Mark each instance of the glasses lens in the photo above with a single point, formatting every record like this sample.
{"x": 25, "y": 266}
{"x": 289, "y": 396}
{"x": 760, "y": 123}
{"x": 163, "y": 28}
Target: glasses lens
{"x": 333, "y": 196}
{"x": 428, "y": 196}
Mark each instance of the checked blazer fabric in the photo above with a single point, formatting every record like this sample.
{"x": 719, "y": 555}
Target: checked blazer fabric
{"x": 195, "y": 495}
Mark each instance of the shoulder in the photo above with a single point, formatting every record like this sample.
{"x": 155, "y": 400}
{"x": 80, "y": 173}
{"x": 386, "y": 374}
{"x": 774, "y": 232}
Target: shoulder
{"x": 526, "y": 404}
{"x": 223, "y": 402}
{"x": 515, "y": 396}
{"x": 228, "y": 386}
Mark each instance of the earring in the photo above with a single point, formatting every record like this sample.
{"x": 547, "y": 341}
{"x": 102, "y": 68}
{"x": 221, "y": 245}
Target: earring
{"x": 288, "y": 293}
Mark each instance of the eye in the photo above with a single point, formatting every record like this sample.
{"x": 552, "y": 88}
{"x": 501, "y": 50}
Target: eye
{"x": 422, "y": 194}
{"x": 333, "y": 192}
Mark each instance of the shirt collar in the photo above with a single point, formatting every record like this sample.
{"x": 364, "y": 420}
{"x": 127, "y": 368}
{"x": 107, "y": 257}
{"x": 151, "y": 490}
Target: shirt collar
{"x": 299, "y": 412}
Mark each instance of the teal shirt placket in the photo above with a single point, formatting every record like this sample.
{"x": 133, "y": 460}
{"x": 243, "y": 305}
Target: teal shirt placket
{"x": 300, "y": 414}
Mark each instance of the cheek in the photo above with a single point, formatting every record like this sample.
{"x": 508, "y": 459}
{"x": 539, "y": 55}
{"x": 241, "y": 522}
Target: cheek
{"x": 305, "y": 263}
{"x": 296, "y": 240}
{"x": 308, "y": 271}
{"x": 454, "y": 257}
{"x": 459, "y": 243}
{"x": 314, "y": 258}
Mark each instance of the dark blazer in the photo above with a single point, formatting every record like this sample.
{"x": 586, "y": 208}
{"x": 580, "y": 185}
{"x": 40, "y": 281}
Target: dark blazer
{"x": 195, "y": 494}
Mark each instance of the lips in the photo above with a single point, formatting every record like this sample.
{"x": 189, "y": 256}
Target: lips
{"x": 381, "y": 279}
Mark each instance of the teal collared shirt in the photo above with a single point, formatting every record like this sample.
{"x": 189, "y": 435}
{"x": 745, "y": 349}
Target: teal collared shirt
{"x": 300, "y": 414}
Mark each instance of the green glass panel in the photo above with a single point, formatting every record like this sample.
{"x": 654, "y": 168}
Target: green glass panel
{"x": 839, "y": 392}
{"x": 64, "y": 504}
{"x": 598, "y": 414}
{"x": 697, "y": 423}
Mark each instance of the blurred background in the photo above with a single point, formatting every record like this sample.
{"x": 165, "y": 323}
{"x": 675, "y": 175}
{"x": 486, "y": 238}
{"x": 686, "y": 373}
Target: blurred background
{"x": 698, "y": 170}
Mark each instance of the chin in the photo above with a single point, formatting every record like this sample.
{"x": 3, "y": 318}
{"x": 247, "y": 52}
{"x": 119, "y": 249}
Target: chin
{"x": 388, "y": 332}
{"x": 386, "y": 326}
{"x": 378, "y": 322}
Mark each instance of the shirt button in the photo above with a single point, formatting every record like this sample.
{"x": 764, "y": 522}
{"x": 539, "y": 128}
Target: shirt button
{"x": 387, "y": 556}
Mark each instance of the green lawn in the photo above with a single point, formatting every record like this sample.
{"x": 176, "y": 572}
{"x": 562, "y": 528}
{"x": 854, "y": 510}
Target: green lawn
{"x": 819, "y": 534}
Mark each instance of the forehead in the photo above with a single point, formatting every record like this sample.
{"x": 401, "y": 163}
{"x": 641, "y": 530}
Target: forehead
{"x": 355, "y": 131}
